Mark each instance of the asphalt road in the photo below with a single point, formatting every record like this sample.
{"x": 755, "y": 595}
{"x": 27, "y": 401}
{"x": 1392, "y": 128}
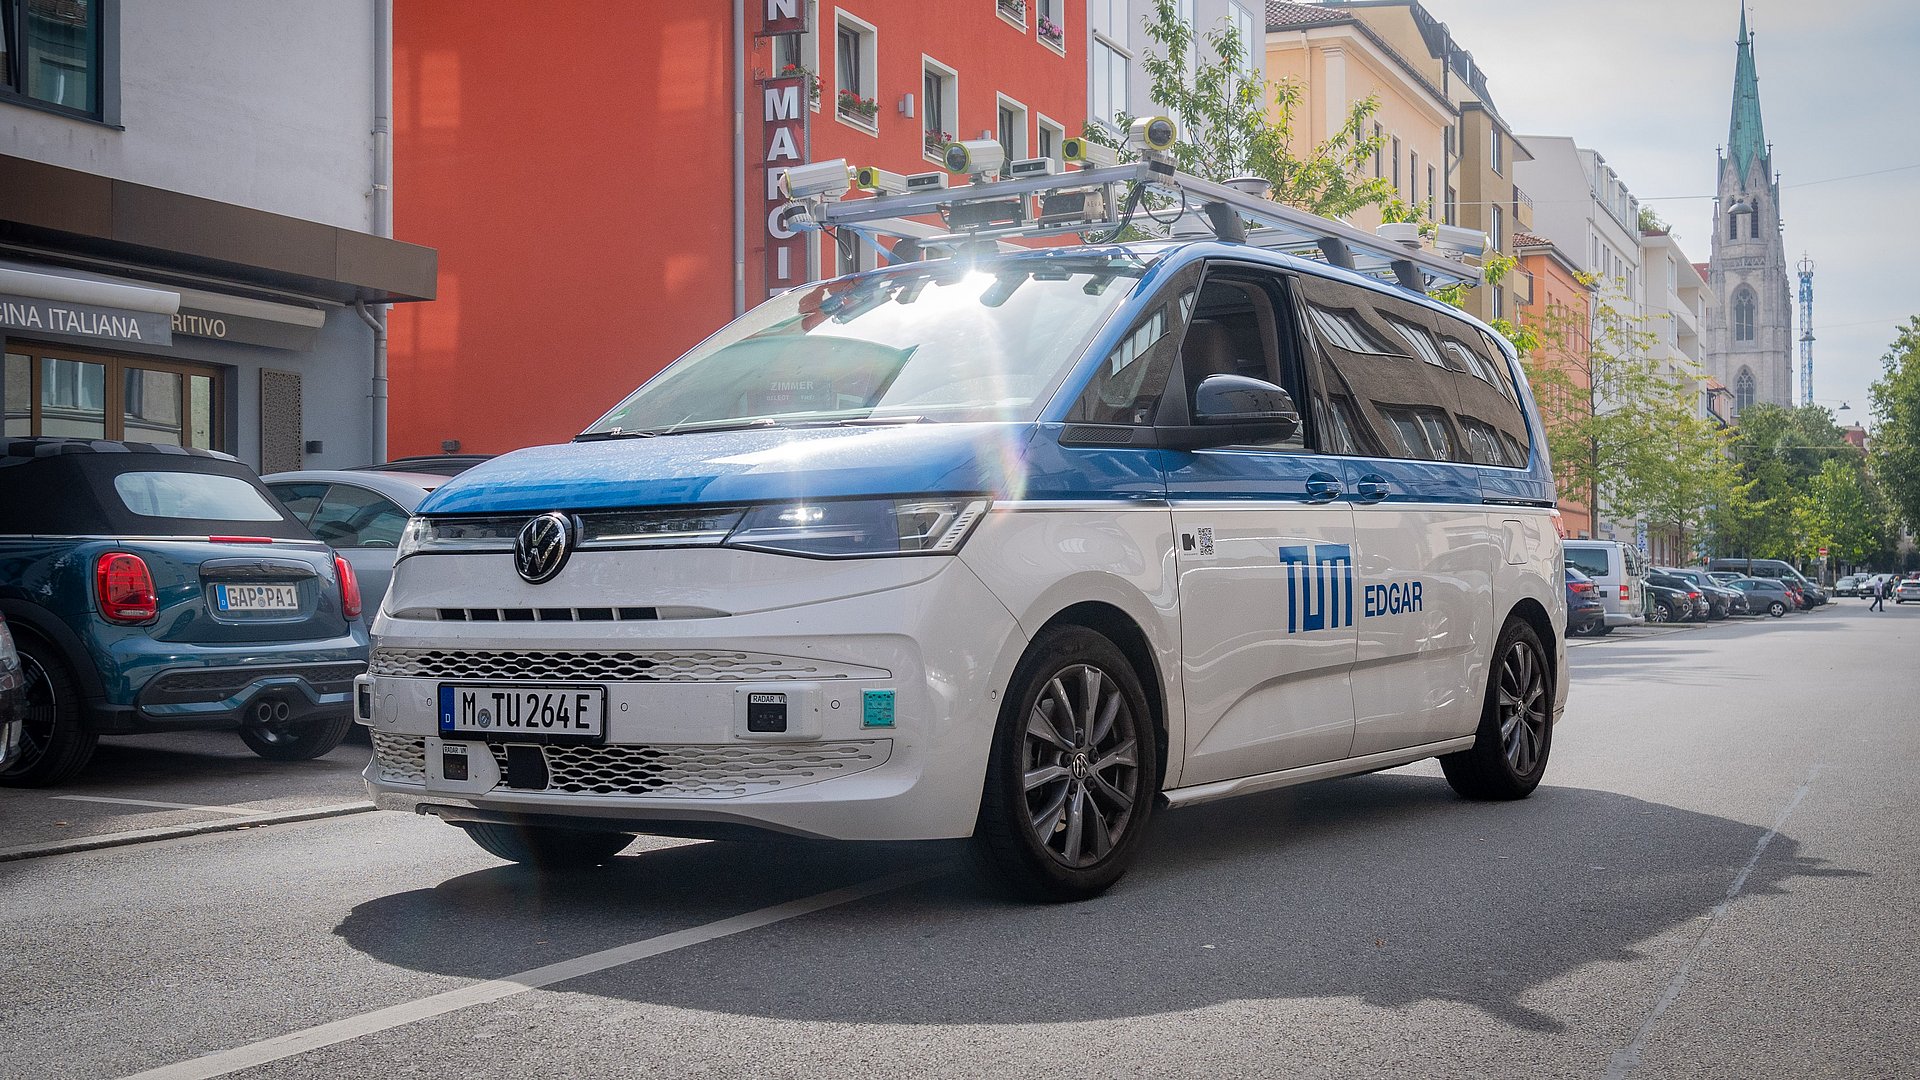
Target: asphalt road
{"x": 1720, "y": 878}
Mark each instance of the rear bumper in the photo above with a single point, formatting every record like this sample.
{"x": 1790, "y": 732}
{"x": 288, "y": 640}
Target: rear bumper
{"x": 190, "y": 696}
{"x": 1622, "y": 618}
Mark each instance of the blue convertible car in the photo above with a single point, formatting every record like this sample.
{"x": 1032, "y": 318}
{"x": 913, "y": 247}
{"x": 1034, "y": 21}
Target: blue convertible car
{"x": 151, "y": 588}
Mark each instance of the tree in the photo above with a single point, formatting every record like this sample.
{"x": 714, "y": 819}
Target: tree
{"x": 1226, "y": 129}
{"x": 1896, "y": 428}
{"x": 1801, "y": 486}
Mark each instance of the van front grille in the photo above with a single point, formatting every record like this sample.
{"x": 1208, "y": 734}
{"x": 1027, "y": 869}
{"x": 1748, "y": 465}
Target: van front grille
{"x": 689, "y": 772}
{"x": 400, "y": 759}
{"x": 650, "y": 666}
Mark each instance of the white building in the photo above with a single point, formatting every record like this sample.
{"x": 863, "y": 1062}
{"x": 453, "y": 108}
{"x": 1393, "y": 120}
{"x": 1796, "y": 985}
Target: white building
{"x": 1117, "y": 44}
{"x": 1584, "y": 207}
{"x": 197, "y": 180}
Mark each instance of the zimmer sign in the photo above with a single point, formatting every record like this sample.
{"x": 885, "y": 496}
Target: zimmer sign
{"x": 785, "y": 113}
{"x": 85, "y": 321}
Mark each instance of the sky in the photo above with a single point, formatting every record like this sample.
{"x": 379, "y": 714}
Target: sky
{"x": 1649, "y": 84}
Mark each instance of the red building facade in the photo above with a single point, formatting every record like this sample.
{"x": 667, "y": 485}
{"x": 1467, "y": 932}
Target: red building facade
{"x": 575, "y": 165}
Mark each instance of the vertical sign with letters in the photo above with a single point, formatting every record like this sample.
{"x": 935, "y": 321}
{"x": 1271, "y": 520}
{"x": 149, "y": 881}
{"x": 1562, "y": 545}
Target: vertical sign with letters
{"x": 784, "y": 115}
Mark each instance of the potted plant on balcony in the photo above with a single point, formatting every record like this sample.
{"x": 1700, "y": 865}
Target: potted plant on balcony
{"x": 1014, "y": 9}
{"x": 1052, "y": 33}
{"x": 934, "y": 143}
{"x": 813, "y": 81}
{"x": 854, "y": 107}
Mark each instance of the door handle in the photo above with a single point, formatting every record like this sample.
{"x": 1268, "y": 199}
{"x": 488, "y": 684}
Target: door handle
{"x": 1371, "y": 489}
{"x": 1323, "y": 487}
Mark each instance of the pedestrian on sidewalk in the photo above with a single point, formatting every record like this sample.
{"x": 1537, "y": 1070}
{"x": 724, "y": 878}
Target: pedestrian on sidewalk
{"x": 1880, "y": 595}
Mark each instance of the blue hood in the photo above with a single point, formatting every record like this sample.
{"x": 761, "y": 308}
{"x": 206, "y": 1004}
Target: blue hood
{"x": 731, "y": 467}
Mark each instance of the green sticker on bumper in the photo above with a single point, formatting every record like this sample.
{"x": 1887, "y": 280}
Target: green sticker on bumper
{"x": 876, "y": 708}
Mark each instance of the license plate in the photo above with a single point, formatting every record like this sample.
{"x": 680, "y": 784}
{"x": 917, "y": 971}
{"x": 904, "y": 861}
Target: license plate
{"x": 506, "y": 709}
{"x": 277, "y": 597}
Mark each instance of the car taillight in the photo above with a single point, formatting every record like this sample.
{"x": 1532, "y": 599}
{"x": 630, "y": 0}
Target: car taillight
{"x": 124, "y": 586}
{"x": 1581, "y": 586}
{"x": 1693, "y": 596}
{"x": 349, "y": 588}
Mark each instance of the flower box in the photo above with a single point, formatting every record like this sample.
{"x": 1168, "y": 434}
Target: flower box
{"x": 1052, "y": 33}
{"x": 854, "y": 107}
{"x": 1014, "y": 9}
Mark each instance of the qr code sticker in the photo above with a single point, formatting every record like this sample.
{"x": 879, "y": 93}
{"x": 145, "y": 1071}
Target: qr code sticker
{"x": 1204, "y": 534}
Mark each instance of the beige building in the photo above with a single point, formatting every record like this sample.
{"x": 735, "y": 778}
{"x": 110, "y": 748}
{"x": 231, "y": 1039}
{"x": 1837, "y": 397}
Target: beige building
{"x": 1478, "y": 149}
{"x": 1336, "y": 60}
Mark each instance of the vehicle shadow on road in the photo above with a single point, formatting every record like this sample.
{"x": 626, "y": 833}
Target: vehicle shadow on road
{"x": 1384, "y": 888}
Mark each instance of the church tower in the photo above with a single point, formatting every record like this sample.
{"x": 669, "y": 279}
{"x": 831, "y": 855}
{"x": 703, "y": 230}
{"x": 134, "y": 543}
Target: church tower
{"x": 1750, "y": 326}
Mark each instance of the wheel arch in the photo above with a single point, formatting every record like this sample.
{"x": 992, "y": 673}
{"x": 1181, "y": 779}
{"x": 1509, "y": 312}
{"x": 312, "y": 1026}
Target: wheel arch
{"x": 1530, "y": 611}
{"x": 32, "y": 621}
{"x": 1118, "y": 627}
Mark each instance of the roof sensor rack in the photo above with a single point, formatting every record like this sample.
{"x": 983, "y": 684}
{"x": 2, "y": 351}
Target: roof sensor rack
{"x": 1102, "y": 197}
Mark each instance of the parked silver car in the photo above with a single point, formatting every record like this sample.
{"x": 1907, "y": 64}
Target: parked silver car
{"x": 1619, "y": 574}
{"x": 361, "y": 513}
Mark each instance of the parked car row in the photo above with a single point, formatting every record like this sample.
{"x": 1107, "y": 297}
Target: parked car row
{"x": 1904, "y": 587}
{"x": 150, "y": 588}
{"x": 1610, "y": 584}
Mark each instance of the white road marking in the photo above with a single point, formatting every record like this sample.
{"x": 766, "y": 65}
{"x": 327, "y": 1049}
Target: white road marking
{"x": 235, "y": 810}
{"x": 1628, "y": 1056}
{"x": 222, "y": 1062}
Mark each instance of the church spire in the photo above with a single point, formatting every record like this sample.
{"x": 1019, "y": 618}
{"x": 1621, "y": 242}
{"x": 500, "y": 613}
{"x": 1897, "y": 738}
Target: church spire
{"x": 1746, "y": 139}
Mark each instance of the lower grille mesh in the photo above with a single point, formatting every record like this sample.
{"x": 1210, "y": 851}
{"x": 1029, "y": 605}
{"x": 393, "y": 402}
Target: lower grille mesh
{"x": 400, "y": 759}
{"x": 699, "y": 772}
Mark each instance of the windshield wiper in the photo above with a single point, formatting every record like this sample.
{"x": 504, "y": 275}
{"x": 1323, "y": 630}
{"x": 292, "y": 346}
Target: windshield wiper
{"x": 881, "y": 421}
{"x": 614, "y": 433}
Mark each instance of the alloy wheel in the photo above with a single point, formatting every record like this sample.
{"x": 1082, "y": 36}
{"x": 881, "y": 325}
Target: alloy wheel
{"x": 1660, "y": 614}
{"x": 1082, "y": 765}
{"x": 36, "y": 730}
{"x": 1523, "y": 706}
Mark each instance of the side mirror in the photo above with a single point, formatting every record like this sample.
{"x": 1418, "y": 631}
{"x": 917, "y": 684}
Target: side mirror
{"x": 1230, "y": 409}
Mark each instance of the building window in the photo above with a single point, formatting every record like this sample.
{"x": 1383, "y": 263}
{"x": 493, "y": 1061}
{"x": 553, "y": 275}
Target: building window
{"x": 1743, "y": 392}
{"x": 1743, "y": 311}
{"x": 1050, "y": 25}
{"x": 1183, "y": 10}
{"x": 50, "y": 52}
{"x": 67, "y": 392}
{"x": 1053, "y": 138}
{"x": 939, "y": 107}
{"x": 1497, "y": 223}
{"x": 1753, "y": 230}
{"x": 1379, "y": 148}
{"x": 1108, "y": 69}
{"x": 1109, "y": 19}
{"x": 1012, "y": 132}
{"x": 856, "y": 97}
{"x": 1733, "y": 225}
{"x": 1413, "y": 176}
{"x": 1433, "y": 188}
{"x": 1499, "y": 302}
{"x": 1396, "y": 165}
{"x": 1014, "y": 11}
{"x": 1499, "y": 153}
{"x": 1453, "y": 203}
{"x": 1250, "y": 41}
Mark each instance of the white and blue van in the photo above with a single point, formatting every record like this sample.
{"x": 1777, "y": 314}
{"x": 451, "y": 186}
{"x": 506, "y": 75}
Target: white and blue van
{"x": 1025, "y": 548}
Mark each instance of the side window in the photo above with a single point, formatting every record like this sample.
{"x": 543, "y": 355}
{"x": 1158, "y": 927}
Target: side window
{"x": 1588, "y": 561}
{"x": 1385, "y": 376}
{"x": 1236, "y": 329}
{"x": 300, "y": 498}
{"x": 354, "y": 517}
{"x": 1127, "y": 387}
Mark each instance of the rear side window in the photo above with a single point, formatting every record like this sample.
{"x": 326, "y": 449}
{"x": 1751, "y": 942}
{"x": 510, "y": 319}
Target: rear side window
{"x": 354, "y": 517}
{"x": 201, "y": 496}
{"x": 1589, "y": 561}
{"x": 300, "y": 498}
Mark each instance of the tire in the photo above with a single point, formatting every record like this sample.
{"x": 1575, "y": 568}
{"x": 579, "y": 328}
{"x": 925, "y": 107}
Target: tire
{"x": 1661, "y": 613}
{"x": 297, "y": 740}
{"x": 1097, "y": 782}
{"x": 1600, "y": 630}
{"x": 54, "y": 748}
{"x": 547, "y": 848}
{"x": 1509, "y": 752}
{"x": 1777, "y": 609}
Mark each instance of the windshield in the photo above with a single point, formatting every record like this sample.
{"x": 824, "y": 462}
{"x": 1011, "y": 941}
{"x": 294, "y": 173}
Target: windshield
{"x": 936, "y": 341}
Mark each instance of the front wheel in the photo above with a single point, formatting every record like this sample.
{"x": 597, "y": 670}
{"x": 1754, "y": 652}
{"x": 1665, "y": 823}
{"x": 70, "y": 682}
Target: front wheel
{"x": 1073, "y": 773}
{"x": 1777, "y": 609}
{"x": 1509, "y": 752}
{"x": 546, "y": 848}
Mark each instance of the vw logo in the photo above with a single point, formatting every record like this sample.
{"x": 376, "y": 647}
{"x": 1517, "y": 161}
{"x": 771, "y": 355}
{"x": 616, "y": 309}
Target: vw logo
{"x": 542, "y": 547}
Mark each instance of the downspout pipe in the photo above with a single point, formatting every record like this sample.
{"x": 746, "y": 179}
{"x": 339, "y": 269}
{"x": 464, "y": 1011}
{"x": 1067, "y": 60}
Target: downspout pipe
{"x": 739, "y": 157}
{"x": 382, "y": 216}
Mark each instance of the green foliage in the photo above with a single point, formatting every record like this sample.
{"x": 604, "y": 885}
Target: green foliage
{"x": 1896, "y": 428}
{"x": 1226, "y": 129}
{"x": 1800, "y": 486}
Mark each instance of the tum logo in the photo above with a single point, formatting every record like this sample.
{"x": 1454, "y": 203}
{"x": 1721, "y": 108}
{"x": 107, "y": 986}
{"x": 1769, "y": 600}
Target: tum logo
{"x": 1319, "y": 586}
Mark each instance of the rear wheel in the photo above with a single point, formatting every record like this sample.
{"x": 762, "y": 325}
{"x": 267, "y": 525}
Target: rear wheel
{"x": 296, "y": 740}
{"x": 1509, "y": 752}
{"x": 547, "y": 848}
{"x": 1073, "y": 772}
{"x": 53, "y": 748}
{"x": 1661, "y": 612}
{"x": 1777, "y": 609}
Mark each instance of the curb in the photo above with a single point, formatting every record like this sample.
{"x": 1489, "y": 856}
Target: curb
{"x": 171, "y": 832}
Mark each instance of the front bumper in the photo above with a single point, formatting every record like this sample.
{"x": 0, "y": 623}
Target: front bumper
{"x": 924, "y": 636}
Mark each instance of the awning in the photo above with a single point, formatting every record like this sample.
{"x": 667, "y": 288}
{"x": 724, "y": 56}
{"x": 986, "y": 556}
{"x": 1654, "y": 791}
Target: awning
{"x": 85, "y": 310}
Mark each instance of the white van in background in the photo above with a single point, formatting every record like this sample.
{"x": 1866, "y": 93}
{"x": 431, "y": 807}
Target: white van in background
{"x": 1619, "y": 572}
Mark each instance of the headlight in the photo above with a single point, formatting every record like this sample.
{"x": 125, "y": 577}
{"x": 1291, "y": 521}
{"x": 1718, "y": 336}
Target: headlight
{"x": 863, "y": 527}
{"x": 459, "y": 534}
